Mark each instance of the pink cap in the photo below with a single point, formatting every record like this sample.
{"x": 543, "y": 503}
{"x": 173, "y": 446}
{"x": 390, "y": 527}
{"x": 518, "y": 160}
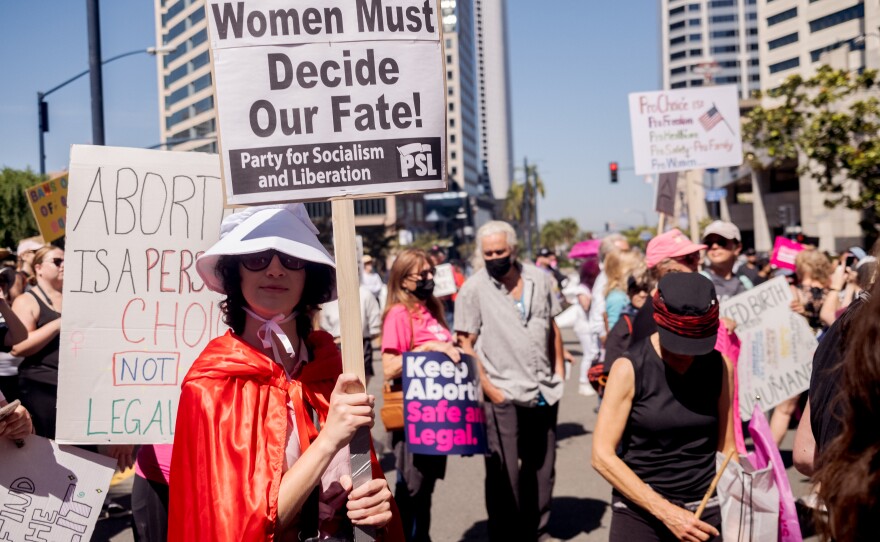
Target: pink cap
{"x": 669, "y": 245}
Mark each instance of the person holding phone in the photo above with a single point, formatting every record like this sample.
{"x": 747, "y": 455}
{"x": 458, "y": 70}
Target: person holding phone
{"x": 15, "y": 423}
{"x": 844, "y": 286}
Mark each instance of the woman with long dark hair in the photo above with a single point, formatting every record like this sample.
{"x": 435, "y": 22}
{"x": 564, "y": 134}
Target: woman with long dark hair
{"x": 413, "y": 322}
{"x": 848, "y": 478}
{"x": 265, "y": 415}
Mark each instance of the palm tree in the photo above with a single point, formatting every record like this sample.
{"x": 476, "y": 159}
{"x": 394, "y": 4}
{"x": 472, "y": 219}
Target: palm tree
{"x": 520, "y": 205}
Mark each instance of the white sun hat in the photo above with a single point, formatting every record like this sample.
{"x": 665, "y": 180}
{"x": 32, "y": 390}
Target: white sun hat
{"x": 285, "y": 228}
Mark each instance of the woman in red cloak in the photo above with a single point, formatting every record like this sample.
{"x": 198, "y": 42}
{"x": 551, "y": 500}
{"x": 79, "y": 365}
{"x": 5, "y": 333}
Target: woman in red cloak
{"x": 265, "y": 415}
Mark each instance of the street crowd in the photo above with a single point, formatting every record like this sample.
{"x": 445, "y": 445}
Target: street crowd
{"x": 266, "y": 413}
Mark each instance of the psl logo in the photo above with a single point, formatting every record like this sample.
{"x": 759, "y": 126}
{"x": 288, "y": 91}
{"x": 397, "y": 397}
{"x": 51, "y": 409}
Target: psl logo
{"x": 415, "y": 158}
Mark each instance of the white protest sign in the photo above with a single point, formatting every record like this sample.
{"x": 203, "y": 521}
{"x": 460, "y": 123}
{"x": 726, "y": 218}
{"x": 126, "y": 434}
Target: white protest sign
{"x": 49, "y": 492}
{"x": 444, "y": 280}
{"x": 677, "y": 130}
{"x": 326, "y": 98}
{"x": 136, "y": 313}
{"x": 776, "y": 358}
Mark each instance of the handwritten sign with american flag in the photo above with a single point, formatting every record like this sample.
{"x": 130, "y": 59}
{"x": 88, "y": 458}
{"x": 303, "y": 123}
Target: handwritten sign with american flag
{"x": 675, "y": 130}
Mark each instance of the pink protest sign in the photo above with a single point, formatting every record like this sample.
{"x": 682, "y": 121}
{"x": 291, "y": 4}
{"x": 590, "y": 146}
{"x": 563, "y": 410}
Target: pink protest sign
{"x": 784, "y": 253}
{"x": 441, "y": 402}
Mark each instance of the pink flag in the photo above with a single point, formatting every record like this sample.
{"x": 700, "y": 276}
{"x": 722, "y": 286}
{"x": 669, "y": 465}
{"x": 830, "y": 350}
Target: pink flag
{"x": 765, "y": 453}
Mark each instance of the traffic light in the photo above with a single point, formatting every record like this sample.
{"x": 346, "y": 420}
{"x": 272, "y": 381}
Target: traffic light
{"x": 44, "y": 116}
{"x": 612, "y": 170}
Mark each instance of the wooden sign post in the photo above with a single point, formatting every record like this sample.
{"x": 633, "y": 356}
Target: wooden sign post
{"x": 348, "y": 287}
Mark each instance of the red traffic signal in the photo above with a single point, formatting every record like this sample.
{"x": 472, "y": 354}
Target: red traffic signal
{"x": 612, "y": 170}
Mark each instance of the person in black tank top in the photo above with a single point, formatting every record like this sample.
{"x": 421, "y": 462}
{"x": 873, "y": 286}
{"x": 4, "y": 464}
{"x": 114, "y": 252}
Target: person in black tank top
{"x": 667, "y": 407}
{"x": 40, "y": 311}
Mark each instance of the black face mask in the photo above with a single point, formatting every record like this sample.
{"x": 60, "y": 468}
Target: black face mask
{"x": 424, "y": 288}
{"x": 498, "y": 267}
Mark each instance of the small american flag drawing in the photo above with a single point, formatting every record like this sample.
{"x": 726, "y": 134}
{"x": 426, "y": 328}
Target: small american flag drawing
{"x": 710, "y": 118}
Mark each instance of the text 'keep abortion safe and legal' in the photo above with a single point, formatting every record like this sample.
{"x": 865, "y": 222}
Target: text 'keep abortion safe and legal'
{"x": 442, "y": 413}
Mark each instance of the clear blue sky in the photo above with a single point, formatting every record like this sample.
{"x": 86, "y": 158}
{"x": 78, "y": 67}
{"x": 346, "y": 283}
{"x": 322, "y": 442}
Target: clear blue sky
{"x": 572, "y": 63}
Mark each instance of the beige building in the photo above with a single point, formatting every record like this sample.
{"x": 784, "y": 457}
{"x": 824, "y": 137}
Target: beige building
{"x": 798, "y": 36}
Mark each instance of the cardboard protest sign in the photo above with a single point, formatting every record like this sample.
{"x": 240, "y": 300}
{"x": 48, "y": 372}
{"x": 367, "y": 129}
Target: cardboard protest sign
{"x": 136, "y": 313}
{"x": 667, "y": 187}
{"x": 784, "y": 253}
{"x": 444, "y": 280}
{"x": 442, "y": 413}
{"x": 327, "y": 98}
{"x": 50, "y": 492}
{"x": 677, "y": 130}
{"x": 48, "y": 201}
{"x": 776, "y": 358}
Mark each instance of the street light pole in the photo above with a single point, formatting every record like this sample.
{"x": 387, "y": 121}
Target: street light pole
{"x": 43, "y": 106}
{"x": 96, "y": 76}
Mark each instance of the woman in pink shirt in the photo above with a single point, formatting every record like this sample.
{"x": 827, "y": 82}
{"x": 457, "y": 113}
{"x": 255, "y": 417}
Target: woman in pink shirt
{"x": 413, "y": 322}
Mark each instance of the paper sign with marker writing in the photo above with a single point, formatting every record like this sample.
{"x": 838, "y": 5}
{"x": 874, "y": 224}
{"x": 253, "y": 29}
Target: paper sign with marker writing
{"x": 682, "y": 129}
{"x": 444, "y": 280}
{"x": 776, "y": 358}
{"x": 327, "y": 98}
{"x": 49, "y": 492}
{"x": 442, "y": 413}
{"x": 136, "y": 313}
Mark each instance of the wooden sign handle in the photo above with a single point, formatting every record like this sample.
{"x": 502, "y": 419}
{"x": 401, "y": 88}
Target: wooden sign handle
{"x": 351, "y": 337}
{"x": 714, "y": 483}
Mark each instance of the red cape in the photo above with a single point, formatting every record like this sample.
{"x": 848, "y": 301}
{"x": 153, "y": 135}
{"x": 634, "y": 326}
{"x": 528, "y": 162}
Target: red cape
{"x": 230, "y": 439}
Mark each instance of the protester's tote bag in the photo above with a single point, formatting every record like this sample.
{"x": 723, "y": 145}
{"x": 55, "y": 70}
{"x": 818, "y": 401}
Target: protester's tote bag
{"x": 749, "y": 501}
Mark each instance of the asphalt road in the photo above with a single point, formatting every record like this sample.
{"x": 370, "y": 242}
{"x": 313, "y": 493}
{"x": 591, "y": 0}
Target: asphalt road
{"x": 581, "y": 497}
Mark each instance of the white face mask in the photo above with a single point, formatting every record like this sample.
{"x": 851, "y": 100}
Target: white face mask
{"x": 270, "y": 327}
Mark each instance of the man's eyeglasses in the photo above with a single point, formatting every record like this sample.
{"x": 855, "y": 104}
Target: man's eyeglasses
{"x": 424, "y": 274}
{"x": 261, "y": 260}
{"x": 717, "y": 240}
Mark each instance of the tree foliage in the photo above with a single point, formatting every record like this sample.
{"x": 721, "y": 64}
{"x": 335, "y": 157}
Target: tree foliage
{"x": 832, "y": 119}
{"x": 16, "y": 219}
{"x": 521, "y": 194}
{"x": 560, "y": 234}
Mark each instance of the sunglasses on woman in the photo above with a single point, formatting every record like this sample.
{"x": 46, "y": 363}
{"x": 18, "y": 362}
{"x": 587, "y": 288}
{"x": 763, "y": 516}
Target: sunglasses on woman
{"x": 261, "y": 260}
{"x": 424, "y": 274}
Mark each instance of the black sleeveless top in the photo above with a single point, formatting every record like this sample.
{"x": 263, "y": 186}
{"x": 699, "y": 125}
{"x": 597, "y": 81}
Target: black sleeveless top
{"x": 671, "y": 436}
{"x": 42, "y": 366}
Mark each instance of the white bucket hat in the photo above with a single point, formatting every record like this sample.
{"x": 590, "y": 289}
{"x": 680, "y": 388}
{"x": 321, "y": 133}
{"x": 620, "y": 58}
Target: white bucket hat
{"x": 285, "y": 228}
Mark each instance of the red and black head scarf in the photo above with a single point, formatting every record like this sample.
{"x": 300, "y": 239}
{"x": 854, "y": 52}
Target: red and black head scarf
{"x": 692, "y": 325}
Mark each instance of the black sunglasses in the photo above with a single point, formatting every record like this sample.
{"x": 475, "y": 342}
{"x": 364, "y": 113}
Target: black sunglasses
{"x": 57, "y": 261}
{"x": 424, "y": 274}
{"x": 717, "y": 240}
{"x": 261, "y": 260}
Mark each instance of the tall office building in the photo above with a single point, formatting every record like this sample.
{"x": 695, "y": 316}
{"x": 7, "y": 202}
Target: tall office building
{"x": 696, "y": 34}
{"x": 186, "y": 98}
{"x": 798, "y": 36}
{"x": 462, "y": 150}
{"x": 496, "y": 141}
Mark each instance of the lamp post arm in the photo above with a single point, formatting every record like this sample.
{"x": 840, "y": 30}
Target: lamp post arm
{"x": 85, "y": 72}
